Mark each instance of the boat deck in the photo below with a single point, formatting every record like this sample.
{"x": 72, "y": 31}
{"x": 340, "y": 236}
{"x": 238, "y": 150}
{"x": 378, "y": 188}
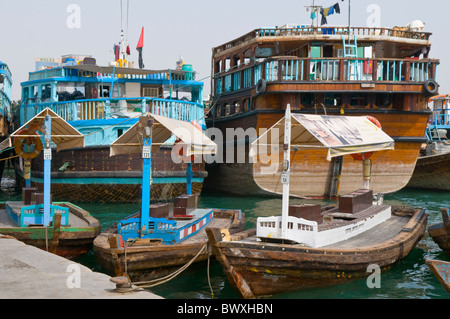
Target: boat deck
{"x": 377, "y": 235}
{"x": 6, "y": 221}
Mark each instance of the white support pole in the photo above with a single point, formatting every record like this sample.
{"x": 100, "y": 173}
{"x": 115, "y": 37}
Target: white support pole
{"x": 286, "y": 171}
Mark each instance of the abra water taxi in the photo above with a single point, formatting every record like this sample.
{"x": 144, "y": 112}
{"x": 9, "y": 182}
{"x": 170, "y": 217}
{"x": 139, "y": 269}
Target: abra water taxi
{"x": 309, "y": 246}
{"x": 61, "y": 228}
{"x": 161, "y": 239}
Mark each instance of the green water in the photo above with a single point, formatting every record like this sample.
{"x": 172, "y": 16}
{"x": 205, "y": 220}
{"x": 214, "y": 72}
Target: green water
{"x": 411, "y": 279}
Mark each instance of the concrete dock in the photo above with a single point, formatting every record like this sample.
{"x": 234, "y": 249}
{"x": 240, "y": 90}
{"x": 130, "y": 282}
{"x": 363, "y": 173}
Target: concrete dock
{"x": 27, "y": 272}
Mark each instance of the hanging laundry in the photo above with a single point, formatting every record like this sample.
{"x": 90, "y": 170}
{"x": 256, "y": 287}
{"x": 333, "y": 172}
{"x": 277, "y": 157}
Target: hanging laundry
{"x": 116, "y": 52}
{"x": 331, "y": 10}
{"x": 337, "y": 8}
{"x": 139, "y": 48}
{"x": 313, "y": 15}
{"x": 326, "y": 12}
{"x": 324, "y": 19}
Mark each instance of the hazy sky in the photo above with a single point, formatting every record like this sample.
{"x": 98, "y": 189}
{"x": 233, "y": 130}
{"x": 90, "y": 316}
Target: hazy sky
{"x": 190, "y": 29}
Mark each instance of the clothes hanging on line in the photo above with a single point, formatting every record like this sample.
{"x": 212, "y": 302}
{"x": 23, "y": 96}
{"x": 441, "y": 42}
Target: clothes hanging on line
{"x": 325, "y": 12}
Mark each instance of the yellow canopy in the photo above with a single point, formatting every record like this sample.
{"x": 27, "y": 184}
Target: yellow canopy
{"x": 341, "y": 135}
{"x": 162, "y": 130}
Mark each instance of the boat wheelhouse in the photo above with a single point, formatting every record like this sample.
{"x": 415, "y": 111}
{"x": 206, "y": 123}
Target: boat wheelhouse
{"x": 5, "y": 89}
{"x": 385, "y": 73}
{"x": 103, "y": 102}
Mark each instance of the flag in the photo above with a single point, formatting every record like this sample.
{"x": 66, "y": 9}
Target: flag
{"x": 139, "y": 49}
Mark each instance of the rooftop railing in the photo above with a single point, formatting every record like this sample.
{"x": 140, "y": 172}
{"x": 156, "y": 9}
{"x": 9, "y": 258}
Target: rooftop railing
{"x": 106, "y": 108}
{"x": 324, "y": 31}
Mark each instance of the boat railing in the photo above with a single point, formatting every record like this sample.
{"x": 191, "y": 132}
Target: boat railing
{"x": 93, "y": 109}
{"x": 61, "y": 72}
{"x": 292, "y": 69}
{"x": 302, "y": 230}
{"x": 157, "y": 228}
{"x": 34, "y": 214}
{"x": 329, "y": 31}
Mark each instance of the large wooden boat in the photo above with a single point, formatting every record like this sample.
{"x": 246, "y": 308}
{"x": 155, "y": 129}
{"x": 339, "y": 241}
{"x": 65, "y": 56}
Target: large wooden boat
{"x": 103, "y": 102}
{"x": 308, "y": 246}
{"x": 441, "y": 232}
{"x": 385, "y": 73}
{"x": 60, "y": 228}
{"x": 151, "y": 243}
{"x": 6, "y": 82}
{"x": 432, "y": 170}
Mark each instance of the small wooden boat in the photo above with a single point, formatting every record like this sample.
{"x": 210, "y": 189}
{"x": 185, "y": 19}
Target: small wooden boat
{"x": 441, "y": 232}
{"x": 150, "y": 244}
{"x": 308, "y": 246}
{"x": 441, "y": 271}
{"x": 70, "y": 234}
{"x": 258, "y": 268}
{"x": 60, "y": 228}
{"x": 150, "y": 259}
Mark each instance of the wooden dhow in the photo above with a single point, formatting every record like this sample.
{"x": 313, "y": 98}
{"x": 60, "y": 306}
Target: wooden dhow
{"x": 308, "y": 246}
{"x": 441, "y": 270}
{"x": 441, "y": 232}
{"x": 432, "y": 170}
{"x": 385, "y": 73}
{"x": 60, "y": 228}
{"x": 161, "y": 240}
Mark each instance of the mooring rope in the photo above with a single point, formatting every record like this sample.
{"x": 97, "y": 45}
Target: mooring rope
{"x": 159, "y": 281}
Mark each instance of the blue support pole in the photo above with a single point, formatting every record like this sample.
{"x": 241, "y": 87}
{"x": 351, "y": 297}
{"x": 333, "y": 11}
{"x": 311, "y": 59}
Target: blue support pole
{"x": 47, "y": 169}
{"x": 189, "y": 179}
{"x": 146, "y": 177}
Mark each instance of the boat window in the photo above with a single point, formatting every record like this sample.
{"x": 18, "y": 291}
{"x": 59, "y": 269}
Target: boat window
{"x": 383, "y": 100}
{"x": 307, "y": 100}
{"x": 25, "y": 93}
{"x": 104, "y": 91}
{"x": 46, "y": 92}
{"x": 332, "y": 100}
{"x": 358, "y": 100}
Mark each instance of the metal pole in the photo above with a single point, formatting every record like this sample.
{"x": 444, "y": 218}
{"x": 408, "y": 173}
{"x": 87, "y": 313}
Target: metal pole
{"x": 189, "y": 179}
{"x": 47, "y": 169}
{"x": 146, "y": 177}
{"x": 285, "y": 175}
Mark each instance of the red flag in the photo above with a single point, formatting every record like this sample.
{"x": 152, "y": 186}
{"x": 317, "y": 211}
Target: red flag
{"x": 141, "y": 40}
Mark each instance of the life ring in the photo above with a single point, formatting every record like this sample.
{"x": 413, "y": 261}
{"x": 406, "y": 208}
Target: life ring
{"x": 431, "y": 86}
{"x": 261, "y": 86}
{"x": 27, "y": 147}
{"x": 366, "y": 156}
{"x": 179, "y": 146}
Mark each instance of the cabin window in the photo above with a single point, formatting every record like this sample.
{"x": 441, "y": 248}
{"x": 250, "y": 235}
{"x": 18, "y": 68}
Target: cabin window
{"x": 104, "y": 91}
{"x": 119, "y": 132}
{"x": 46, "y": 92}
{"x": 150, "y": 92}
{"x": 307, "y": 99}
{"x": 358, "y": 100}
{"x": 333, "y": 100}
{"x": 383, "y": 100}
{"x": 246, "y": 105}
{"x": 25, "y": 93}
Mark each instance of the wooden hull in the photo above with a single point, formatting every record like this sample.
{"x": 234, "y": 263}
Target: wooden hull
{"x": 93, "y": 176}
{"x": 441, "y": 232}
{"x": 432, "y": 172}
{"x": 143, "y": 262}
{"x": 441, "y": 271}
{"x": 257, "y": 269}
{"x": 69, "y": 242}
{"x": 311, "y": 173}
